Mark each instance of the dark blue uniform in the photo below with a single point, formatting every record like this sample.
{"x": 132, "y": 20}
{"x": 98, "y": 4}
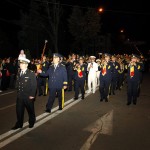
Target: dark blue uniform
{"x": 71, "y": 74}
{"x": 115, "y": 76}
{"x": 80, "y": 78}
{"x": 121, "y": 78}
{"x": 26, "y": 86}
{"x": 105, "y": 81}
{"x": 42, "y": 80}
{"x": 133, "y": 79}
{"x": 57, "y": 79}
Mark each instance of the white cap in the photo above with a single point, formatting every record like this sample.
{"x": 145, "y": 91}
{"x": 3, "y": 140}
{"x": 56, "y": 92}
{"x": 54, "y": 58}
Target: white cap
{"x": 92, "y": 57}
{"x": 23, "y": 59}
{"x": 98, "y": 60}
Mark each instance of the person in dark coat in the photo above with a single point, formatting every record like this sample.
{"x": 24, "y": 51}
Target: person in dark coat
{"x": 57, "y": 82}
{"x": 133, "y": 79}
{"x": 80, "y": 78}
{"x": 26, "y": 91}
{"x": 70, "y": 64}
{"x": 42, "y": 80}
{"x": 115, "y": 75}
{"x": 105, "y": 77}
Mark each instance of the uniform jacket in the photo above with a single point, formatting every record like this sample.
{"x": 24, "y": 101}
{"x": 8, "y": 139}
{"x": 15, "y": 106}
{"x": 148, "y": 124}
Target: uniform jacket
{"x": 80, "y": 72}
{"x": 109, "y": 70}
{"x": 57, "y": 77}
{"x": 92, "y": 71}
{"x": 116, "y": 68}
{"x": 26, "y": 84}
{"x": 137, "y": 69}
{"x": 45, "y": 66}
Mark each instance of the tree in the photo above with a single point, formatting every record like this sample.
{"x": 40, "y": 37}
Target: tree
{"x": 5, "y": 45}
{"x": 31, "y": 35}
{"x": 40, "y": 23}
{"x": 84, "y": 26}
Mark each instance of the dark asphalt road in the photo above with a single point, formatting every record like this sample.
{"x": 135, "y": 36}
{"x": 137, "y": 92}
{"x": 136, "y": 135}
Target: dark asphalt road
{"x": 86, "y": 125}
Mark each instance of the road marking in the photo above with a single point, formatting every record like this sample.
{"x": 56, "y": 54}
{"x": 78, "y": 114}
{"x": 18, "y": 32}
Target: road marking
{"x": 41, "y": 119}
{"x": 2, "y": 136}
{"x": 37, "y": 124}
{"x": 44, "y": 118}
{"x": 103, "y": 125}
{"x": 7, "y": 106}
{"x": 7, "y": 93}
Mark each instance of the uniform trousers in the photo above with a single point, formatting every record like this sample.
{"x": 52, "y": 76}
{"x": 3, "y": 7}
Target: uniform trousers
{"x": 41, "y": 81}
{"x": 132, "y": 91}
{"x": 104, "y": 88}
{"x": 92, "y": 83}
{"x": 114, "y": 82}
{"x": 21, "y": 104}
{"x": 79, "y": 85}
{"x": 52, "y": 95}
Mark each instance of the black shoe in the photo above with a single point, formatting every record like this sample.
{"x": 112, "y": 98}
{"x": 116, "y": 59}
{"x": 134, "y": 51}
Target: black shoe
{"x": 128, "y": 103}
{"x": 109, "y": 93}
{"x": 106, "y": 100}
{"x": 101, "y": 100}
{"x": 44, "y": 95}
{"x": 82, "y": 97}
{"x": 16, "y": 127}
{"x": 75, "y": 98}
{"x": 134, "y": 103}
{"x": 40, "y": 94}
{"x": 48, "y": 110}
{"x": 31, "y": 125}
{"x": 113, "y": 93}
{"x": 59, "y": 108}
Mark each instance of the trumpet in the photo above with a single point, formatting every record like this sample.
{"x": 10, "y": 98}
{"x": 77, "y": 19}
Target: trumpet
{"x": 77, "y": 66}
{"x": 104, "y": 62}
{"x": 132, "y": 63}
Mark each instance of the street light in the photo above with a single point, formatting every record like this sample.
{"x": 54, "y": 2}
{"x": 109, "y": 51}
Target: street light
{"x": 100, "y": 9}
{"x": 121, "y": 30}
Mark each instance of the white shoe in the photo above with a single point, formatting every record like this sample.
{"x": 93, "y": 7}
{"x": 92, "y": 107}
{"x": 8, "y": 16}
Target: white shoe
{"x": 1, "y": 91}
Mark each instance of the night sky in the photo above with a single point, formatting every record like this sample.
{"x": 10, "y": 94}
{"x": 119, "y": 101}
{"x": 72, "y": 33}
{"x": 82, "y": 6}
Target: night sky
{"x": 130, "y": 15}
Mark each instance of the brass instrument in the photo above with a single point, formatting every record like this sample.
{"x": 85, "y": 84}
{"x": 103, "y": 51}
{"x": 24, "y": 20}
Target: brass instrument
{"x": 78, "y": 69}
{"x": 132, "y": 63}
{"x": 103, "y": 63}
{"x": 77, "y": 66}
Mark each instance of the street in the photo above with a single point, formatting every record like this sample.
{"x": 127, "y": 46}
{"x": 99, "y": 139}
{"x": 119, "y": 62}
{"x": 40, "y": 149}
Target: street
{"x": 82, "y": 125}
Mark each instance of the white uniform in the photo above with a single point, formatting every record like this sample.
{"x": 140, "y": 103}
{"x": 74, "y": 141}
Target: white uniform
{"x": 92, "y": 72}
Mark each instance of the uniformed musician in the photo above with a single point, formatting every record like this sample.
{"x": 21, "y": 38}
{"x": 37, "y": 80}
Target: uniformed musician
{"x": 26, "y": 91}
{"x": 57, "y": 82}
{"x": 42, "y": 80}
{"x": 105, "y": 77}
{"x": 70, "y": 71}
{"x": 115, "y": 75}
{"x": 133, "y": 79}
{"x": 80, "y": 77}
